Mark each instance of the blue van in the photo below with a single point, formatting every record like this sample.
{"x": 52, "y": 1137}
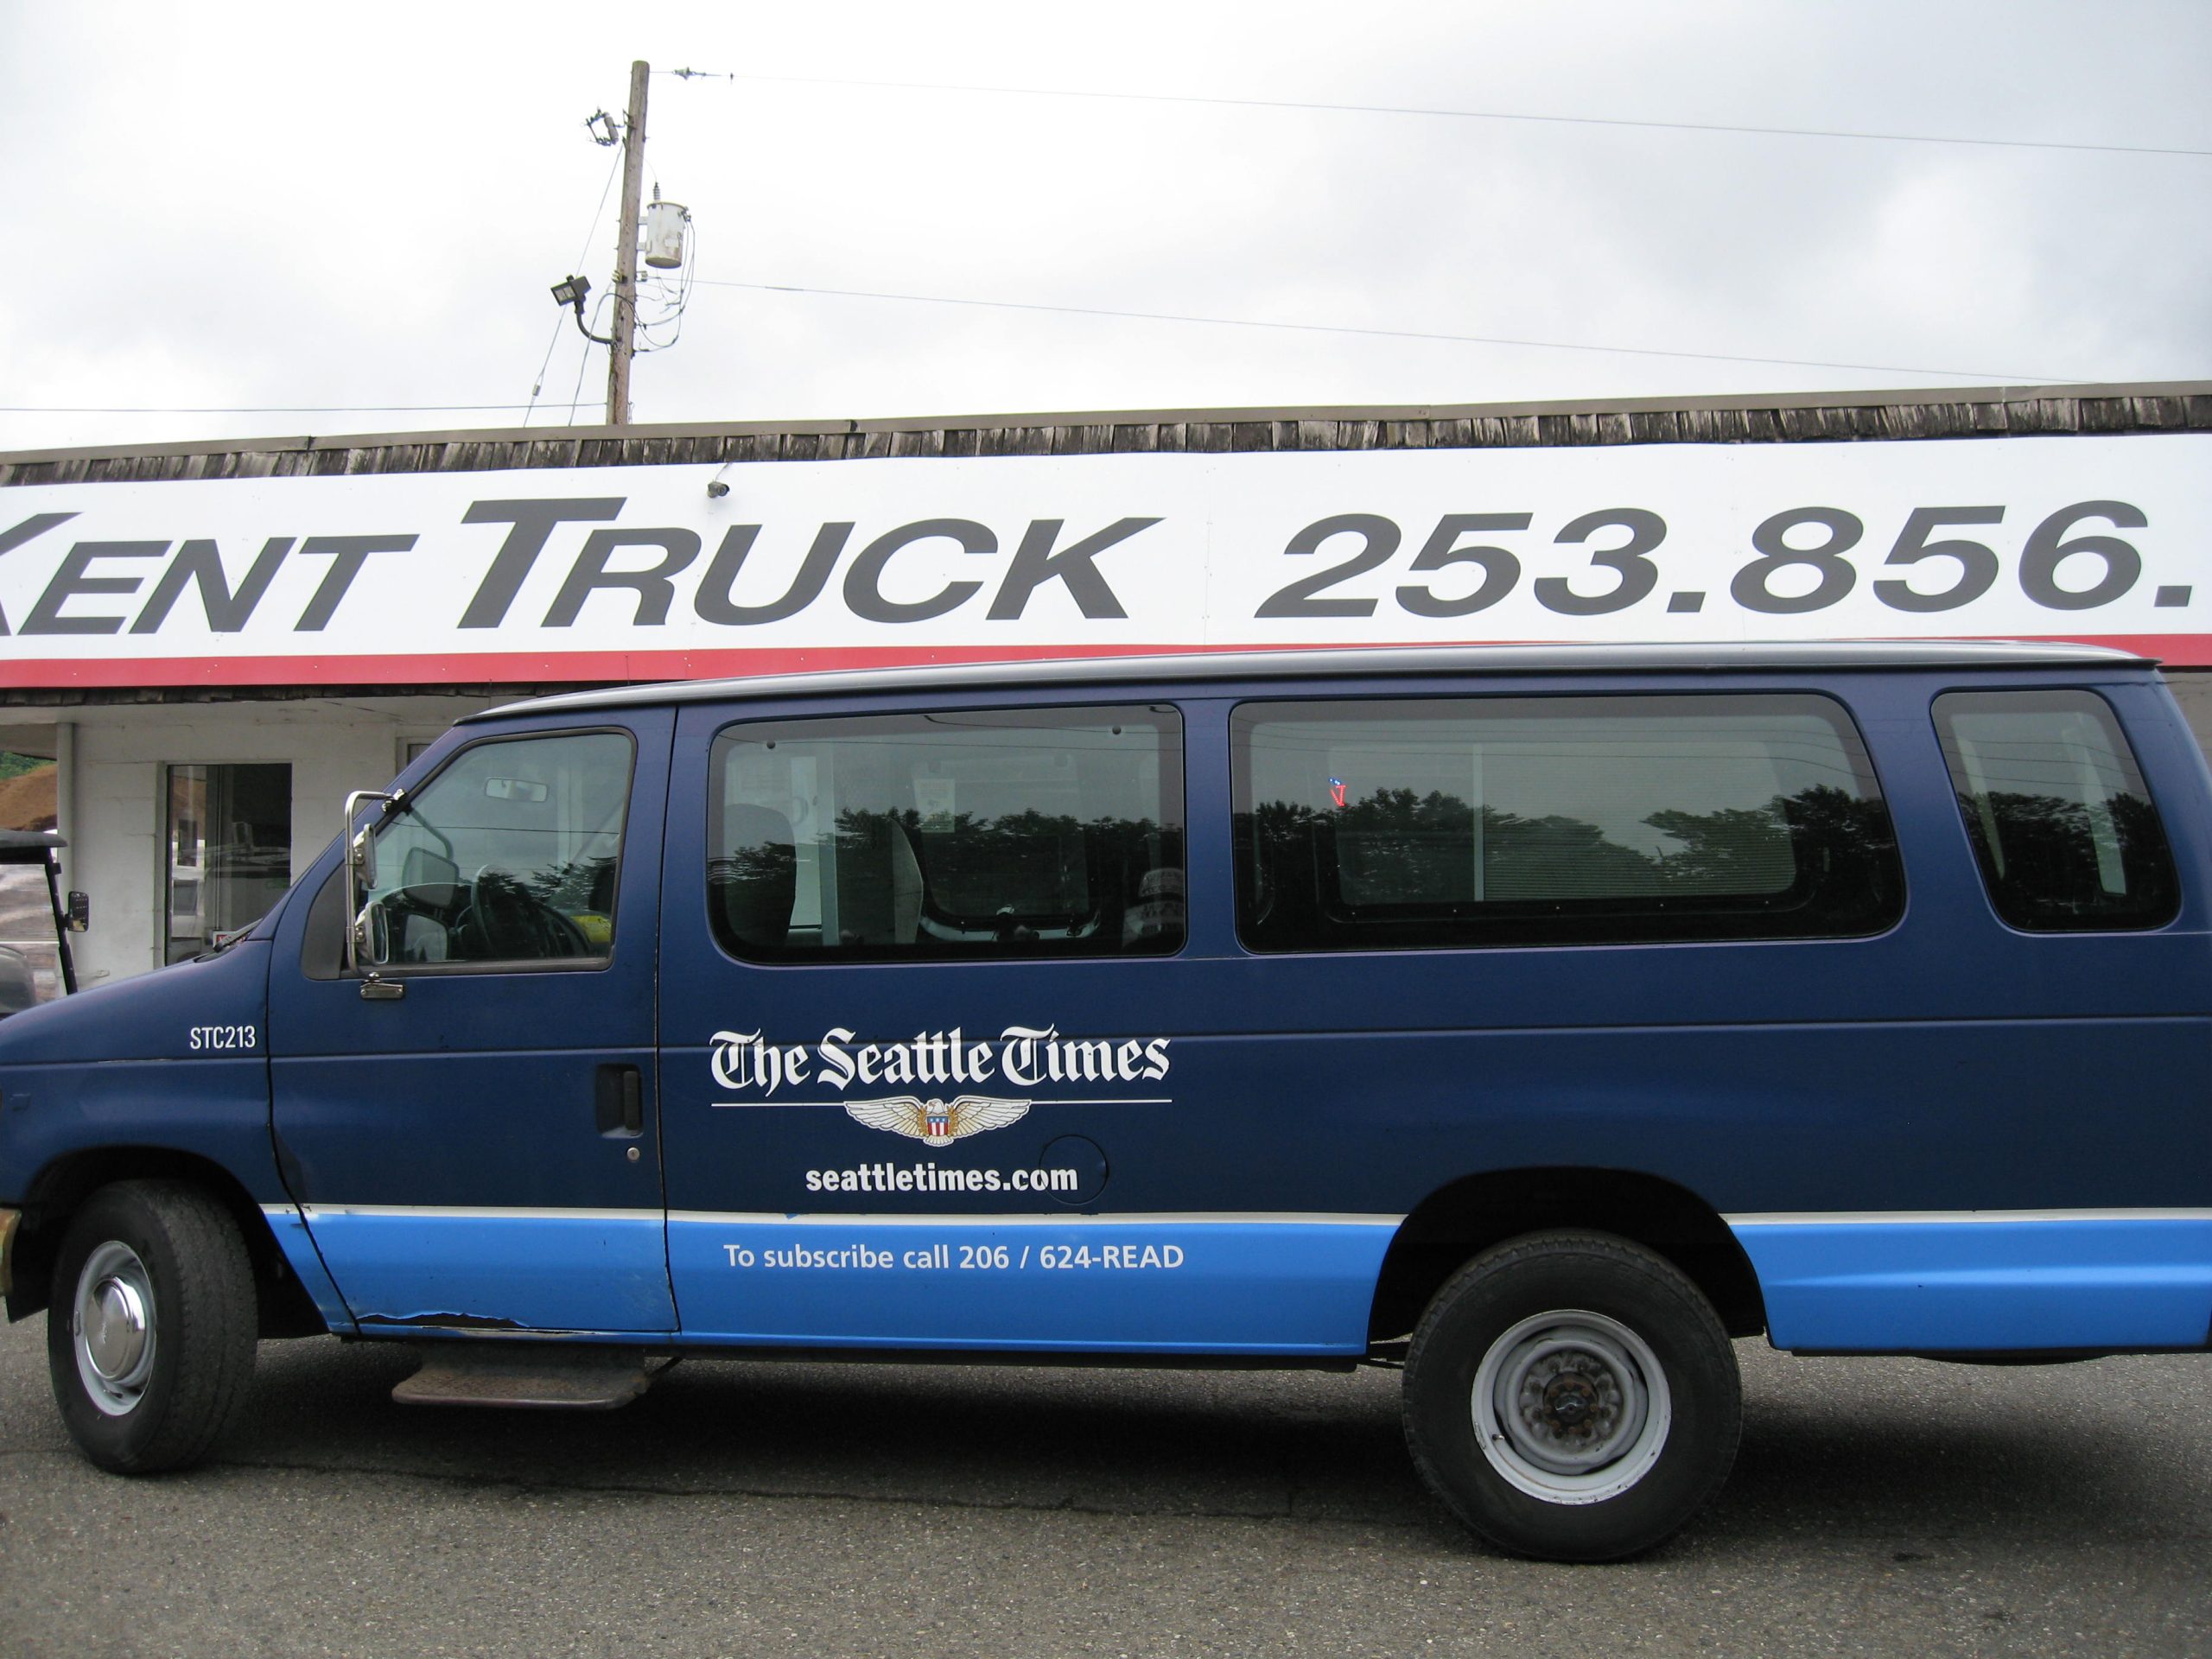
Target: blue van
{"x": 1535, "y": 1018}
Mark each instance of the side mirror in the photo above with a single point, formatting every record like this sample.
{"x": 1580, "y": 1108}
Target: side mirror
{"x": 363, "y": 853}
{"x": 360, "y": 876}
{"x": 80, "y": 911}
{"x": 372, "y": 938}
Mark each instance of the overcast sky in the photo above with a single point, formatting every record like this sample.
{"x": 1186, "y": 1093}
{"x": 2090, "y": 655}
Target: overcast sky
{"x": 250, "y": 208}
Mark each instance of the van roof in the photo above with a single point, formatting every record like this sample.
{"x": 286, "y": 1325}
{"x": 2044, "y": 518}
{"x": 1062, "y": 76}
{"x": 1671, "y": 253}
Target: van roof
{"x": 1362, "y": 661}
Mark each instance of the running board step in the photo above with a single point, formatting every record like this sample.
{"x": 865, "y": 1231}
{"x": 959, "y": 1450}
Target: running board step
{"x": 478, "y": 1374}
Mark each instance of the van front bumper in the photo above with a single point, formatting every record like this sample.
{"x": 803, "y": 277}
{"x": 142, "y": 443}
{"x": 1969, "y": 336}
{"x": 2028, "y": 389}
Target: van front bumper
{"x": 9, "y": 1220}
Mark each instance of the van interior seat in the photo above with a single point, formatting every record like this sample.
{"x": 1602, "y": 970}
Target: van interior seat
{"x": 760, "y": 883}
{"x": 906, "y": 885}
{"x": 601, "y": 901}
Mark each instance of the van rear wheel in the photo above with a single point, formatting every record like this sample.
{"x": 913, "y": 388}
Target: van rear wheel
{"x": 150, "y": 1333}
{"x": 1572, "y": 1396}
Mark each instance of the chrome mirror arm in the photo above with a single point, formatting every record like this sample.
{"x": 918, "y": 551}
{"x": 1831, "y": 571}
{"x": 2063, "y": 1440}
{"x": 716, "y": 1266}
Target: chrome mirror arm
{"x": 357, "y": 855}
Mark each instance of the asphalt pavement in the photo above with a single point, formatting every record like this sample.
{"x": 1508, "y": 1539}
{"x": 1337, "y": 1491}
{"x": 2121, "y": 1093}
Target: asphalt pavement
{"x": 1878, "y": 1507}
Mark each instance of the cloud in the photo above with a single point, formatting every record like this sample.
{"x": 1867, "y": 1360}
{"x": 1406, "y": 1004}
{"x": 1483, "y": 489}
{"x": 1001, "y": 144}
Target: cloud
{"x": 309, "y": 208}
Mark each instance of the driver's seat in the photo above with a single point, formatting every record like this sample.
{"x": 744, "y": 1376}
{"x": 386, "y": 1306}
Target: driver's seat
{"x": 503, "y": 920}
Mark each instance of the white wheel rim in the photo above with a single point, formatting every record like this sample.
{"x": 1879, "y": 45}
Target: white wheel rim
{"x": 111, "y": 1328}
{"x": 1571, "y": 1407}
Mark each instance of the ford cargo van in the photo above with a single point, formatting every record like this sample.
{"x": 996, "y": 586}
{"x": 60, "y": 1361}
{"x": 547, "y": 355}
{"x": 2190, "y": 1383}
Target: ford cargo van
{"x": 1535, "y": 1018}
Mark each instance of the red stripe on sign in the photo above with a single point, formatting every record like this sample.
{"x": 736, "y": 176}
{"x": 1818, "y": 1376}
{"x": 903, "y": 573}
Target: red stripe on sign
{"x": 527, "y": 668}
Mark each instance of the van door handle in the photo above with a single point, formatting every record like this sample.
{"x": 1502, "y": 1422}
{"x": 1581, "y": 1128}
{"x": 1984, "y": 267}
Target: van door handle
{"x": 618, "y": 1101}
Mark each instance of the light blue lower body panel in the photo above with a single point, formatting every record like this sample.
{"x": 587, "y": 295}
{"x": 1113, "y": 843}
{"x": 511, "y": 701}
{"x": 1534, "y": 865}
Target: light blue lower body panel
{"x": 1291, "y": 1285}
{"x": 1987, "y": 1281}
{"x": 516, "y": 1271}
{"x": 291, "y": 1233}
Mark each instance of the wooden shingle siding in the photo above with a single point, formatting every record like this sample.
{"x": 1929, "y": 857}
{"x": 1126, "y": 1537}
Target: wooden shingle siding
{"x": 1835, "y": 419}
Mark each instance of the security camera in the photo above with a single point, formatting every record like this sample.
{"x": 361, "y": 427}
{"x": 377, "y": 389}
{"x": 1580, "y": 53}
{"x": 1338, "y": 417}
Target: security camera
{"x": 716, "y": 490}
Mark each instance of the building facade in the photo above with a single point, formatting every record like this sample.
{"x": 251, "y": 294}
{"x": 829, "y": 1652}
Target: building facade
{"x": 216, "y": 642}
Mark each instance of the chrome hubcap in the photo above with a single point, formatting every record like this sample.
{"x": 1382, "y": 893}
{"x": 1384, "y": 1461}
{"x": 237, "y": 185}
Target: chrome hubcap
{"x": 1571, "y": 1407}
{"x": 113, "y": 1323}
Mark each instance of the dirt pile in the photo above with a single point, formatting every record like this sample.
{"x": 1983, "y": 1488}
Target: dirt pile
{"x": 27, "y": 800}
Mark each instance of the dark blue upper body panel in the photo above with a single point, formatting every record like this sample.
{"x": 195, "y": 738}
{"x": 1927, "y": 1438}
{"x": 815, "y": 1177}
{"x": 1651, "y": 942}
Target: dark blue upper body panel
{"x": 149, "y": 1017}
{"x": 1950, "y": 1063}
{"x": 455, "y": 1156}
{"x": 176, "y": 1060}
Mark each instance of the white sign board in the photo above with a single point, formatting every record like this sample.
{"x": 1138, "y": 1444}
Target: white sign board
{"x": 640, "y": 573}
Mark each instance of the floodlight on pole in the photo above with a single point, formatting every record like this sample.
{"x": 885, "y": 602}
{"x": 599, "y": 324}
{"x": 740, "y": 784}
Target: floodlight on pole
{"x": 571, "y": 291}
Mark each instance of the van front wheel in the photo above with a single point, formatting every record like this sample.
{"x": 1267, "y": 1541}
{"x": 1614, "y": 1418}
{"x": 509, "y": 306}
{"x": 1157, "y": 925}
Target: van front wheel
{"x": 1572, "y": 1396}
{"x": 150, "y": 1333}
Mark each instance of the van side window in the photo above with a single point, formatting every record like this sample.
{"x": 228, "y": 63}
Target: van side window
{"x": 2060, "y": 820}
{"x": 1567, "y": 820}
{"x": 986, "y": 833}
{"x": 509, "y": 854}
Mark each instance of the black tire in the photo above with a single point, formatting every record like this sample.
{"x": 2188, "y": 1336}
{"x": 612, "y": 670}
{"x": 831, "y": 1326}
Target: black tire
{"x": 160, "y": 1371}
{"x": 1621, "y": 1404}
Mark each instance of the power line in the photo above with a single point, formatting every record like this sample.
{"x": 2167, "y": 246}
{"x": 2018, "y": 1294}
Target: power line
{"x": 252, "y": 409}
{"x": 1475, "y": 115}
{"x": 1985, "y": 375}
{"x": 538, "y": 384}
{"x": 576, "y": 402}
{"x": 576, "y": 392}
{"x": 677, "y": 305}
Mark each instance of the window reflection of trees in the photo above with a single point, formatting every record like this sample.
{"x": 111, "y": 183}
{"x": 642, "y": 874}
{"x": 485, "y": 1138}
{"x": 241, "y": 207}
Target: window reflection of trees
{"x": 1031, "y": 862}
{"x": 576, "y": 885}
{"x": 1399, "y": 847}
{"x": 977, "y": 870}
{"x": 767, "y": 860}
{"x": 2053, "y": 855}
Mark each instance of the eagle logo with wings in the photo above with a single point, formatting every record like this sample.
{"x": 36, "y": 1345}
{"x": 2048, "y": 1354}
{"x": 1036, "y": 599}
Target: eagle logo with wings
{"x": 937, "y": 1123}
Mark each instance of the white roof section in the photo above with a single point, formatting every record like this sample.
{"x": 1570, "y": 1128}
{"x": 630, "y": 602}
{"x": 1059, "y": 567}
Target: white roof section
{"x": 1367, "y": 662}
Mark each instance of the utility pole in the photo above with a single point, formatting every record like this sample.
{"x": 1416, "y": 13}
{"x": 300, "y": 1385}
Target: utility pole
{"x": 625, "y": 251}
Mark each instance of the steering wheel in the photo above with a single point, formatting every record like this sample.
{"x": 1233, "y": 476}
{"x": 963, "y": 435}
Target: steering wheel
{"x": 508, "y": 923}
